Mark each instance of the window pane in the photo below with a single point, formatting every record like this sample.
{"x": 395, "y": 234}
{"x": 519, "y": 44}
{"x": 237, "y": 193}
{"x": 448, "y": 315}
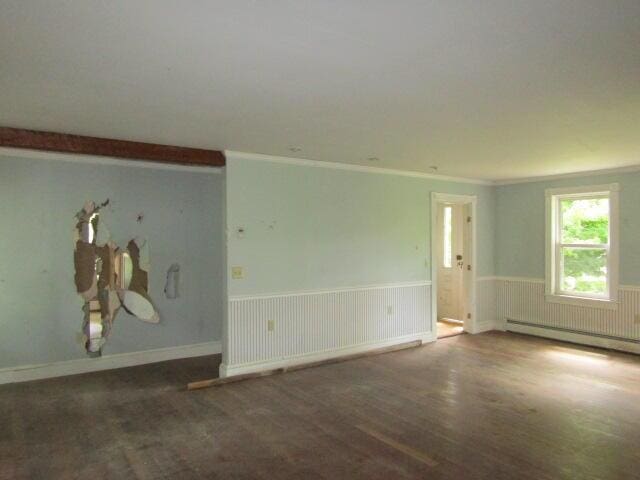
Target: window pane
{"x": 584, "y": 270}
{"x": 585, "y": 220}
{"x": 447, "y": 237}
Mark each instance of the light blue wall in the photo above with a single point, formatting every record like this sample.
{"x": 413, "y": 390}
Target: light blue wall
{"x": 309, "y": 228}
{"x": 41, "y": 312}
{"x": 521, "y": 225}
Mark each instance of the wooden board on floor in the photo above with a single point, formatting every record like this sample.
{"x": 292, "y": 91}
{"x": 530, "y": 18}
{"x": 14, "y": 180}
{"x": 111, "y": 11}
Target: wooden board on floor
{"x": 237, "y": 378}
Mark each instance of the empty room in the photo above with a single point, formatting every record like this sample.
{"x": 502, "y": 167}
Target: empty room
{"x": 318, "y": 239}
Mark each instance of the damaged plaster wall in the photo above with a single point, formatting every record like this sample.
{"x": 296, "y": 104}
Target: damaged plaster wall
{"x": 108, "y": 277}
{"x": 41, "y": 311}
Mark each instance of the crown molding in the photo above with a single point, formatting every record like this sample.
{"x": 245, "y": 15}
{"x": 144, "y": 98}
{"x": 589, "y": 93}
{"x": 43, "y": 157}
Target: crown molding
{"x": 231, "y": 155}
{"x": 560, "y": 176}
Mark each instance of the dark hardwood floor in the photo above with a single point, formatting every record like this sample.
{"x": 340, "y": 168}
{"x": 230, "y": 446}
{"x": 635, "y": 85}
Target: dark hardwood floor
{"x": 490, "y": 406}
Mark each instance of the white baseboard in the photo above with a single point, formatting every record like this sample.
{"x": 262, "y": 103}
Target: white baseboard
{"x": 233, "y": 370}
{"x": 483, "y": 327}
{"x": 429, "y": 337}
{"x": 580, "y": 338}
{"x": 120, "y": 360}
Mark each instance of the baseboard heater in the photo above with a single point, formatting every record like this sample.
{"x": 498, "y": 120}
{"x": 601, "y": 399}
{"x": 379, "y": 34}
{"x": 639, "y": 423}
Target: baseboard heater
{"x": 570, "y": 330}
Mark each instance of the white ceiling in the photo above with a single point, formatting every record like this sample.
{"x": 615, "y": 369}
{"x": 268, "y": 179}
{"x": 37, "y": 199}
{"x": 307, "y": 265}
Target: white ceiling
{"x": 485, "y": 89}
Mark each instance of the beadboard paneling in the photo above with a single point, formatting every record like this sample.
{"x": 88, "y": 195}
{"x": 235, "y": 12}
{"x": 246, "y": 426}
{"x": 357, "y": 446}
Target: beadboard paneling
{"x": 486, "y": 291}
{"x": 313, "y": 322}
{"x": 523, "y": 300}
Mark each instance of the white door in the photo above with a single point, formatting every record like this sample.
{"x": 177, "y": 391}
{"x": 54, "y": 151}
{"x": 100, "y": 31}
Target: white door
{"x": 450, "y": 261}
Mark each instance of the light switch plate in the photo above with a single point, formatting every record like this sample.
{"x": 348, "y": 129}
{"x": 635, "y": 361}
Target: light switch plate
{"x": 237, "y": 273}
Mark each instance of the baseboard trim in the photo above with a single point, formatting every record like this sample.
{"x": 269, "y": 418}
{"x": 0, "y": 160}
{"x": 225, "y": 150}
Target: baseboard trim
{"x": 285, "y": 363}
{"x": 573, "y": 337}
{"x": 107, "y": 362}
{"x": 483, "y": 327}
{"x": 215, "y": 382}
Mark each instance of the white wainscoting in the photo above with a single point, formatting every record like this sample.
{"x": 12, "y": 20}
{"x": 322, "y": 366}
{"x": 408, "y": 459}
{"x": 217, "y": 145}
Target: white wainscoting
{"x": 317, "y": 325}
{"x": 486, "y": 291}
{"x": 107, "y": 362}
{"x": 521, "y": 307}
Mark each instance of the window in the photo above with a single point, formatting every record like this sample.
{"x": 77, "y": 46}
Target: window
{"x": 447, "y": 237}
{"x": 582, "y": 248}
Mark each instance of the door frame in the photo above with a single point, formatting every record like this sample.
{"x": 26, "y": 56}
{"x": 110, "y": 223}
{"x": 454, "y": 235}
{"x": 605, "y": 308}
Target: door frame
{"x": 470, "y": 325}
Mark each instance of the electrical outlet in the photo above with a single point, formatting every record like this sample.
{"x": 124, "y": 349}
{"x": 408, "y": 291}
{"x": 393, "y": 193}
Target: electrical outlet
{"x": 237, "y": 273}
{"x": 271, "y": 325}
{"x": 389, "y": 310}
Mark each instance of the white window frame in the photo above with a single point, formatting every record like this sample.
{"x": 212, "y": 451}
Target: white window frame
{"x": 553, "y": 293}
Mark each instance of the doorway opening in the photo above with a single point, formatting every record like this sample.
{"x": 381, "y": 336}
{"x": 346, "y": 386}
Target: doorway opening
{"x": 452, "y": 261}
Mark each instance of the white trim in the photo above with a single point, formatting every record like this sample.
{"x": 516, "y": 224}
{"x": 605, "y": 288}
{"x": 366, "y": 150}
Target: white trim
{"x": 100, "y": 160}
{"x": 520, "y": 279}
{"x": 584, "y": 339}
{"x": 27, "y": 373}
{"x": 552, "y": 233}
{"x": 499, "y": 278}
{"x": 320, "y": 291}
{"x": 436, "y": 198}
{"x": 241, "y": 369}
{"x": 486, "y": 326}
{"x": 587, "y": 173}
{"x": 454, "y": 198}
{"x": 231, "y": 155}
{"x": 409, "y": 173}
{"x": 580, "y": 190}
{"x": 582, "y": 301}
{"x": 630, "y": 288}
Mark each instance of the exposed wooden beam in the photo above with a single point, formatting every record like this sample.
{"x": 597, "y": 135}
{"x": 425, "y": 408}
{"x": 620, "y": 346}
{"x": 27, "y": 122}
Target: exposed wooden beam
{"x": 62, "y": 142}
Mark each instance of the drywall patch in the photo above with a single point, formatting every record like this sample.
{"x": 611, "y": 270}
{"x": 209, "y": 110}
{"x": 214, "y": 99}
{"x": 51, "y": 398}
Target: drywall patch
{"x": 108, "y": 277}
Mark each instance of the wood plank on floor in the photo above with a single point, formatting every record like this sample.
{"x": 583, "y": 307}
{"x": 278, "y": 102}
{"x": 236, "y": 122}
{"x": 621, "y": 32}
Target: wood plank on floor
{"x": 412, "y": 452}
{"x": 213, "y": 382}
